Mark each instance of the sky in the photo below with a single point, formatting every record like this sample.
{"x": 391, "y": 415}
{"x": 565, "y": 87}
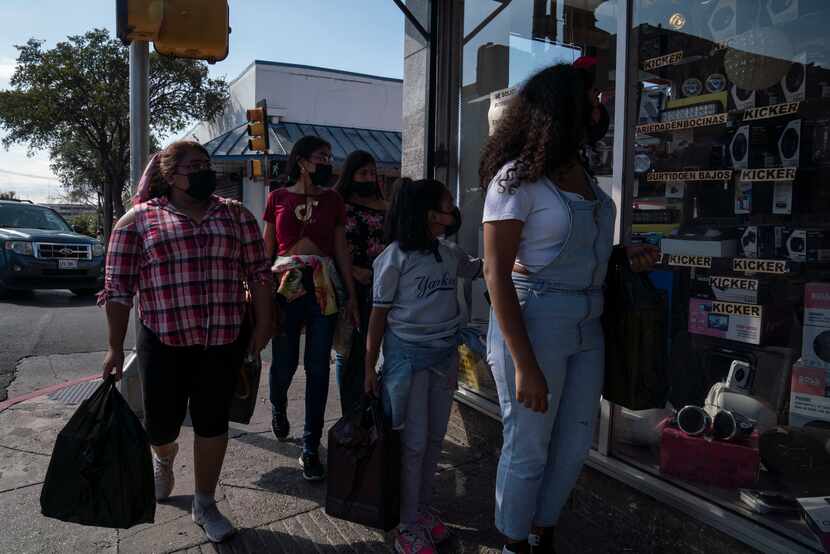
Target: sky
{"x": 365, "y": 36}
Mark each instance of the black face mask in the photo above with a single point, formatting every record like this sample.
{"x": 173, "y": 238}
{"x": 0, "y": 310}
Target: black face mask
{"x": 201, "y": 184}
{"x": 321, "y": 175}
{"x": 595, "y": 131}
{"x": 365, "y": 189}
{"x": 453, "y": 229}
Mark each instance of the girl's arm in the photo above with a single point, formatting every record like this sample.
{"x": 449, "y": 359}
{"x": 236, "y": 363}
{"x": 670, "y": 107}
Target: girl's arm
{"x": 344, "y": 263}
{"x": 374, "y": 339}
{"x": 270, "y": 238}
{"x": 501, "y": 244}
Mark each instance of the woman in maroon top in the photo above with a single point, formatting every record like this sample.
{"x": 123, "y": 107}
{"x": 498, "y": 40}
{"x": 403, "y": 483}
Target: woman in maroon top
{"x": 365, "y": 216}
{"x": 305, "y": 230}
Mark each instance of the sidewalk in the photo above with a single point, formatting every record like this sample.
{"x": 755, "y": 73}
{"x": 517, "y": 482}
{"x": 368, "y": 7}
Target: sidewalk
{"x": 261, "y": 490}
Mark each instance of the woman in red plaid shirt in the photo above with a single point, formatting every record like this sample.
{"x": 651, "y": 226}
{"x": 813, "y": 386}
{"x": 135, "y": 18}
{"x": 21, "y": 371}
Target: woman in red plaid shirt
{"x": 186, "y": 252}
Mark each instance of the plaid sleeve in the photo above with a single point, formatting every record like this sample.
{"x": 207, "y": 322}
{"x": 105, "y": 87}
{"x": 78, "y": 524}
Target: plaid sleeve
{"x": 255, "y": 263}
{"x": 123, "y": 260}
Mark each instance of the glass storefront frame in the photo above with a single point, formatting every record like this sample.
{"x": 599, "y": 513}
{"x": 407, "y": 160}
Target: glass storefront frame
{"x": 442, "y": 162}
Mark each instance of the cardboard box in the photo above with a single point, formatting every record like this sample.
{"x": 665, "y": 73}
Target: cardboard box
{"x": 805, "y": 245}
{"x": 727, "y": 320}
{"x": 810, "y": 395}
{"x": 742, "y": 289}
{"x": 816, "y": 334}
{"x": 726, "y": 248}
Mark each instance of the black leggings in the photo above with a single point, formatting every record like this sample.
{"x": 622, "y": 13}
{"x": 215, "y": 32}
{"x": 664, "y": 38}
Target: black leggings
{"x": 173, "y": 375}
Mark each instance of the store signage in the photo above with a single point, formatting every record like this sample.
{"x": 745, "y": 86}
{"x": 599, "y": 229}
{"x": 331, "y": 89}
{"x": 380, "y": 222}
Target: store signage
{"x": 678, "y": 260}
{"x": 769, "y": 174}
{"x": 768, "y": 112}
{"x": 729, "y": 308}
{"x": 662, "y": 61}
{"x": 499, "y": 100}
{"x": 695, "y": 175}
{"x": 760, "y": 266}
{"x": 703, "y": 121}
{"x": 724, "y": 283}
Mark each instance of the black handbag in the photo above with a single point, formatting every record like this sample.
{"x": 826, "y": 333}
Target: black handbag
{"x": 364, "y": 463}
{"x": 635, "y": 322}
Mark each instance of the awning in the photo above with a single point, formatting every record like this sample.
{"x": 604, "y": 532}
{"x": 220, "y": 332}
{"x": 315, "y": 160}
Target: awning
{"x": 385, "y": 146}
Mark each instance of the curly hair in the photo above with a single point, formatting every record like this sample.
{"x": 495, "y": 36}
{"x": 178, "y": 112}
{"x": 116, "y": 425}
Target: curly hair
{"x": 166, "y": 163}
{"x": 543, "y": 128}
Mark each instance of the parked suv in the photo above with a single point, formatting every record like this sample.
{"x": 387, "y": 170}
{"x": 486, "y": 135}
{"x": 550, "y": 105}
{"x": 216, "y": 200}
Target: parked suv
{"x": 39, "y": 250}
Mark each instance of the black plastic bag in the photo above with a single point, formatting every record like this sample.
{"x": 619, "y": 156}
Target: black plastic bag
{"x": 635, "y": 322}
{"x": 364, "y": 461}
{"x": 101, "y": 471}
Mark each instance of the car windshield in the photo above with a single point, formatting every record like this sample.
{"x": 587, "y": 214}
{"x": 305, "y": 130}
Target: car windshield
{"x": 21, "y": 216}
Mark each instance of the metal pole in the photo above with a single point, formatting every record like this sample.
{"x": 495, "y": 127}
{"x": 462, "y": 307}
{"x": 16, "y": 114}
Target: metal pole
{"x": 139, "y": 147}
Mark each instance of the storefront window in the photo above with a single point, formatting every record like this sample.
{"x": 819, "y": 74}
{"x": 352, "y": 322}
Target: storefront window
{"x": 731, "y": 157}
{"x": 504, "y": 44}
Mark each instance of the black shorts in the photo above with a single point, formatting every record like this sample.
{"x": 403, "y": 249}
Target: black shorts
{"x": 173, "y": 375}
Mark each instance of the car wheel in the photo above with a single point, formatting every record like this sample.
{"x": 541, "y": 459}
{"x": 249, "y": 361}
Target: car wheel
{"x": 84, "y": 292}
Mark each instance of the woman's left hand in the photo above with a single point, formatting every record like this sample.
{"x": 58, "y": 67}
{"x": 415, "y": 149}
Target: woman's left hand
{"x": 354, "y": 312}
{"x": 261, "y": 337}
{"x": 642, "y": 257}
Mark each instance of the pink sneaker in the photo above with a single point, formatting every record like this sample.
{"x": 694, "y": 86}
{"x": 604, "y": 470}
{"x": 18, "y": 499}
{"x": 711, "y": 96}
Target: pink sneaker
{"x": 434, "y": 527}
{"x": 413, "y": 540}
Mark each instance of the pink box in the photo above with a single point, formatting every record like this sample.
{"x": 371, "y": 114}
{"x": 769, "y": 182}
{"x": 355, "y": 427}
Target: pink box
{"x": 721, "y": 463}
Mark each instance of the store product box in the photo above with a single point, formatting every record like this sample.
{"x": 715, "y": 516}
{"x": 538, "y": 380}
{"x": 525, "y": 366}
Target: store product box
{"x": 727, "y": 320}
{"x": 816, "y": 333}
{"x": 816, "y": 514}
{"x": 760, "y": 241}
{"x": 809, "y": 395}
{"x": 744, "y": 290}
{"x": 719, "y": 463}
{"x": 725, "y": 248}
{"x": 806, "y": 245}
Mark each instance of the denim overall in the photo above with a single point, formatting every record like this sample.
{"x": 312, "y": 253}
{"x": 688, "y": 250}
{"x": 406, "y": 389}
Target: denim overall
{"x": 542, "y": 454}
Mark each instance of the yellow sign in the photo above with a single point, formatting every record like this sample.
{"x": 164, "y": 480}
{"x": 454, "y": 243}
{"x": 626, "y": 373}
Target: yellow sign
{"x": 662, "y": 61}
{"x": 691, "y": 123}
{"x": 704, "y": 262}
{"x": 729, "y": 308}
{"x": 747, "y": 265}
{"x": 769, "y": 174}
{"x": 692, "y": 175}
{"x": 768, "y": 112}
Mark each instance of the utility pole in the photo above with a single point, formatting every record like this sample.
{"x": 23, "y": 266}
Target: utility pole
{"x": 139, "y": 151}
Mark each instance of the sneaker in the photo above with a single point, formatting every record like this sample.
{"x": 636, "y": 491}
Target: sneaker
{"x": 313, "y": 468}
{"x": 413, "y": 540}
{"x": 542, "y": 543}
{"x": 280, "y": 426}
{"x": 163, "y": 474}
{"x": 434, "y": 527}
{"x": 215, "y": 525}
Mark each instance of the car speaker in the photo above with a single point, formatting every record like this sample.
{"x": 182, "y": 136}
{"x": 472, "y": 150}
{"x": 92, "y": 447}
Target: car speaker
{"x": 789, "y": 144}
{"x": 739, "y": 148}
{"x": 723, "y": 20}
{"x": 782, "y": 11}
{"x": 743, "y": 99}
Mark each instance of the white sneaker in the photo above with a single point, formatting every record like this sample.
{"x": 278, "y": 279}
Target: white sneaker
{"x": 215, "y": 525}
{"x": 163, "y": 474}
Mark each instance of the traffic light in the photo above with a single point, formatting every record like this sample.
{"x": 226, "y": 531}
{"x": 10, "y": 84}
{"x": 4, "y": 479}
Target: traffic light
{"x": 195, "y": 29}
{"x": 258, "y": 128}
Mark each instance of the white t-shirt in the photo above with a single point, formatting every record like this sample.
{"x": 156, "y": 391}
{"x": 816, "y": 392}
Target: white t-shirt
{"x": 536, "y": 204}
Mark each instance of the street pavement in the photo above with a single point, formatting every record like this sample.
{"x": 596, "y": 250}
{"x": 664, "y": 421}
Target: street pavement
{"x": 261, "y": 489}
{"x": 38, "y": 329}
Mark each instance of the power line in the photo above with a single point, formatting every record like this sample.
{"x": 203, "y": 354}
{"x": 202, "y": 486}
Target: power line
{"x": 28, "y": 175}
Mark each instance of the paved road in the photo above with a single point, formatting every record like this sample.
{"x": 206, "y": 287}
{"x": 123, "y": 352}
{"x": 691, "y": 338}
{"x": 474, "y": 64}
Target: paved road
{"x": 45, "y": 323}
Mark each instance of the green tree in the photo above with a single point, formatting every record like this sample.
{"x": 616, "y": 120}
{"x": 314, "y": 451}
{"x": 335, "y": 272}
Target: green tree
{"x": 73, "y": 101}
{"x": 86, "y": 224}
{"x": 7, "y": 195}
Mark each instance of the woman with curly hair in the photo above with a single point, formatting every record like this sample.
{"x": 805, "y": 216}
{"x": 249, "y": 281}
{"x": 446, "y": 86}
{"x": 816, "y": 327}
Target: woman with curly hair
{"x": 548, "y": 234}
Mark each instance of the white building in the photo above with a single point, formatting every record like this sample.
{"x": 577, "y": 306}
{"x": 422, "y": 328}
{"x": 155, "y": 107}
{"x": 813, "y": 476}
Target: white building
{"x": 351, "y": 111}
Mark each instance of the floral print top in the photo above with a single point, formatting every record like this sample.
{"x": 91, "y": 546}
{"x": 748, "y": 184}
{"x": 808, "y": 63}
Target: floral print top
{"x": 364, "y": 234}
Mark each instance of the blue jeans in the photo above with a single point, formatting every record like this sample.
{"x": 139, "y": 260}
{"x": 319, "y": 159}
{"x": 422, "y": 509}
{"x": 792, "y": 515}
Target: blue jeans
{"x": 543, "y": 454}
{"x": 319, "y": 333}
